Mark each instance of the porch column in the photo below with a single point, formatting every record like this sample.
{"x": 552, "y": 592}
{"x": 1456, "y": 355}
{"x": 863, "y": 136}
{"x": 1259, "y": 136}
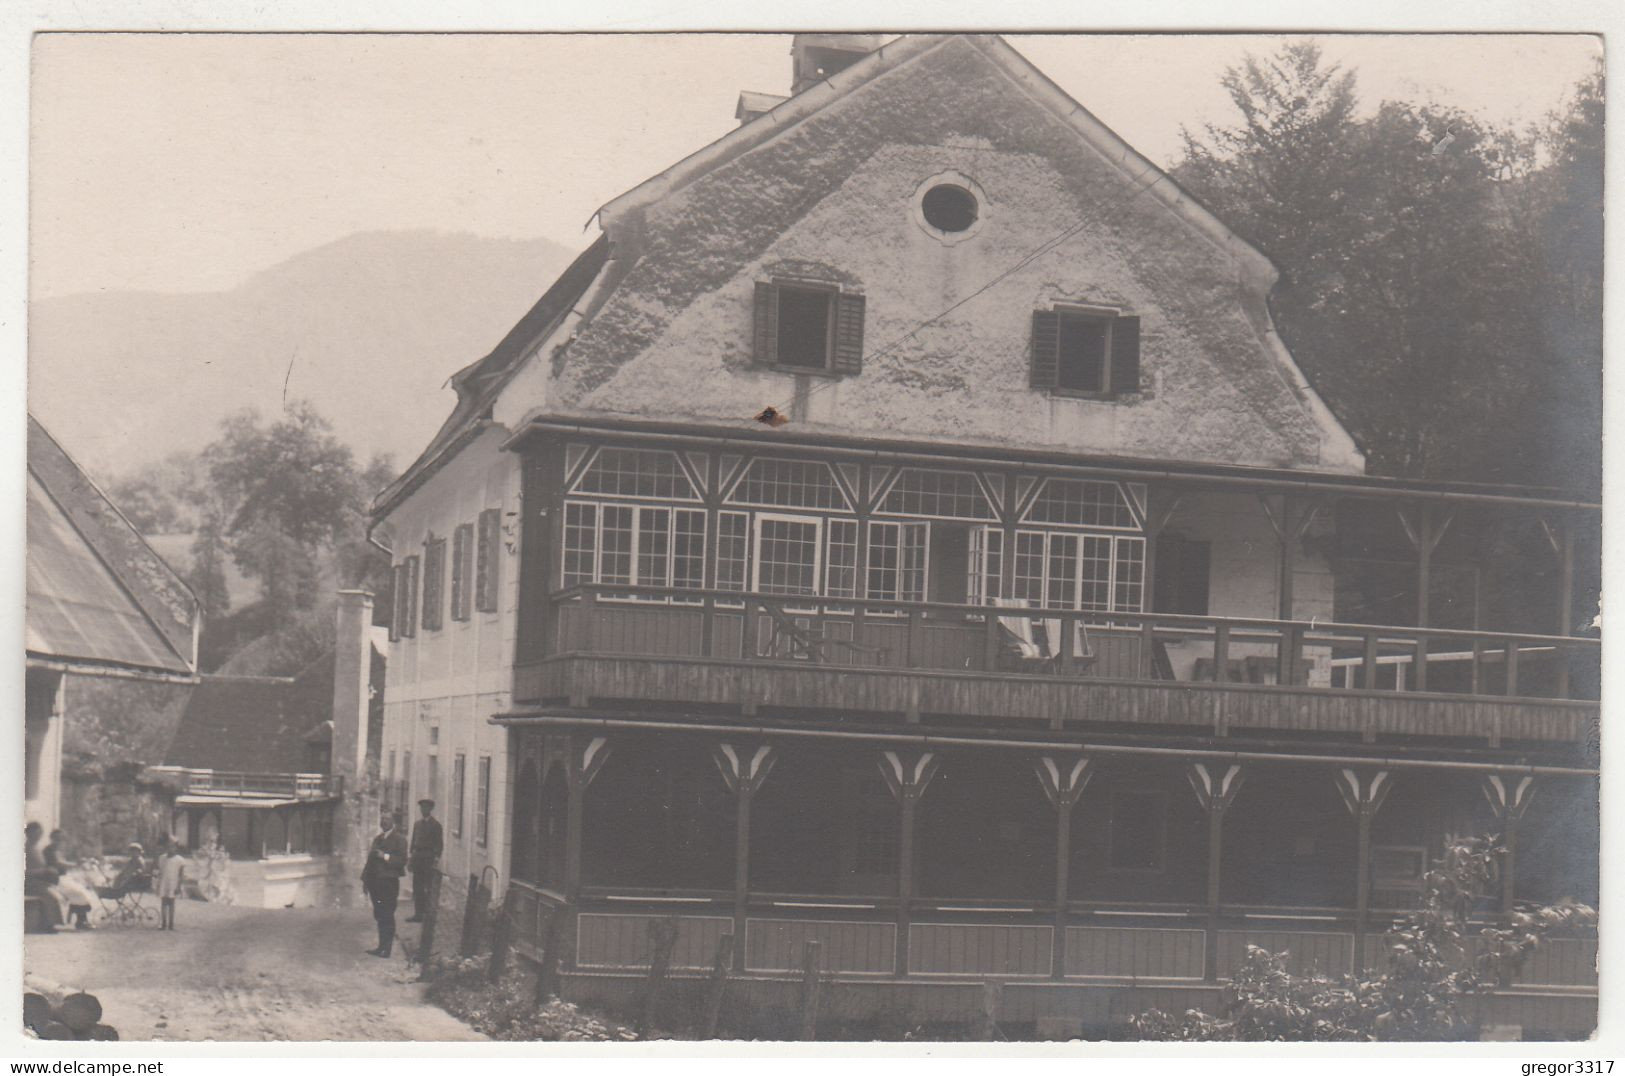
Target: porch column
{"x": 1215, "y": 791}
{"x": 1290, "y": 525}
{"x": 582, "y": 755}
{"x": 744, "y": 767}
{"x": 907, "y": 774}
{"x": 1424, "y": 530}
{"x": 1561, "y": 537}
{"x": 1063, "y": 778}
{"x": 1509, "y": 798}
{"x": 1363, "y": 793}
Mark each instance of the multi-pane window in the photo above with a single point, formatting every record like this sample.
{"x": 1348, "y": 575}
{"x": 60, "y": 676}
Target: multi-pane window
{"x": 462, "y": 563}
{"x": 688, "y": 549}
{"x": 788, "y": 483}
{"x": 434, "y": 583}
{"x": 947, "y": 494}
{"x": 636, "y": 472}
{"x": 986, "y": 567}
{"x": 733, "y": 550}
{"x": 787, "y": 554}
{"x": 897, "y": 561}
{"x": 1095, "y": 584}
{"x": 654, "y": 546}
{"x": 459, "y": 774}
{"x": 487, "y": 557}
{"x": 482, "y": 801}
{"x": 580, "y": 543}
{"x": 841, "y": 561}
{"x": 1094, "y": 572}
{"x": 1081, "y": 503}
{"x": 624, "y": 543}
{"x": 1029, "y": 564}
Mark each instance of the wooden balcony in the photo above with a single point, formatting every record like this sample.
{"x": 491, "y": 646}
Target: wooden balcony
{"x": 755, "y": 652}
{"x": 275, "y": 786}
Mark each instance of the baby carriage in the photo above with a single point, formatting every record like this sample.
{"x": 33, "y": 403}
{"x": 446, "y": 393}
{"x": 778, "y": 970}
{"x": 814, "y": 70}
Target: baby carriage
{"x": 126, "y": 901}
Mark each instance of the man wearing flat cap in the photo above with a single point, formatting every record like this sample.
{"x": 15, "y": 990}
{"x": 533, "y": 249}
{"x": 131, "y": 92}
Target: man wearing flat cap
{"x": 427, "y": 843}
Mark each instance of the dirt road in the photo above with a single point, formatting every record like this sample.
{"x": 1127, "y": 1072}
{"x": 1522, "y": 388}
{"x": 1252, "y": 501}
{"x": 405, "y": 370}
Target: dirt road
{"x": 246, "y": 974}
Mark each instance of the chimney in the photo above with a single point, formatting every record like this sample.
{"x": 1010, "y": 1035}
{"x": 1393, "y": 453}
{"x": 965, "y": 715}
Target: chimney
{"x": 352, "y": 698}
{"x": 815, "y": 57}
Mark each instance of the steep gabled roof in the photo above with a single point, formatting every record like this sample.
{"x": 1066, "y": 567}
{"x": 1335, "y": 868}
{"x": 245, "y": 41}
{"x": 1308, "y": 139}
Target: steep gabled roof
{"x": 478, "y": 384}
{"x": 97, "y": 593}
{"x": 894, "y": 54}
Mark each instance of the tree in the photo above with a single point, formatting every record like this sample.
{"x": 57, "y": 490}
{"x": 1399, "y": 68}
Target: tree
{"x": 1436, "y": 275}
{"x": 1438, "y": 964}
{"x": 287, "y": 493}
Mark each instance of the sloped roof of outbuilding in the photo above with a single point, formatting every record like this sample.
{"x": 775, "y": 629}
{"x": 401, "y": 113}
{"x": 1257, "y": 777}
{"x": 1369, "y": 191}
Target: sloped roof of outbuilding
{"x": 252, "y": 724}
{"x": 97, "y": 593}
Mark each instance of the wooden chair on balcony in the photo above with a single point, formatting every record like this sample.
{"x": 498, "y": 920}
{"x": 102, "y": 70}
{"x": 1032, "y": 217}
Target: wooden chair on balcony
{"x": 805, "y": 642}
{"x": 1033, "y": 655}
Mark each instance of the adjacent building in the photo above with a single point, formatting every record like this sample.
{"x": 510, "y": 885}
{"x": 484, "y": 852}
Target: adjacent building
{"x": 111, "y": 630}
{"x": 904, "y": 529}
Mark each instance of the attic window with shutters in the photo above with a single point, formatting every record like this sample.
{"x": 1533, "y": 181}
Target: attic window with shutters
{"x": 1085, "y": 352}
{"x": 808, "y": 328}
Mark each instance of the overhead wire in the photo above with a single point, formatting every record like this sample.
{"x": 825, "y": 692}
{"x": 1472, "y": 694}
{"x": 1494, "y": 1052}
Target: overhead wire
{"x": 1089, "y": 217}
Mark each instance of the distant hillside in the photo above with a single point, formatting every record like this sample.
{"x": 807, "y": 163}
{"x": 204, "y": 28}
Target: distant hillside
{"x": 368, "y": 327}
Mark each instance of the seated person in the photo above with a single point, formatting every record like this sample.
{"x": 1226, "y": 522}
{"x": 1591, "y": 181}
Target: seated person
{"x": 134, "y": 876}
{"x": 78, "y": 897}
{"x": 39, "y": 880}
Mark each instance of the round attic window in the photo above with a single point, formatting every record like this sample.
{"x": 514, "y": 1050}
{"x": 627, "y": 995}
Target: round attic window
{"x": 950, "y": 208}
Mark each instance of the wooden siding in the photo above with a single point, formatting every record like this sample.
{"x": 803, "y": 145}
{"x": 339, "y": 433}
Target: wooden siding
{"x": 1135, "y": 952}
{"x": 1054, "y": 700}
{"x": 978, "y": 949}
{"x": 777, "y": 945}
{"x": 1308, "y": 952}
{"x": 1561, "y": 962}
{"x": 622, "y": 941}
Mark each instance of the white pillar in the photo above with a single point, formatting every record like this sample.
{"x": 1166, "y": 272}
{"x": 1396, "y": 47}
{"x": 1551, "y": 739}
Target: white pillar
{"x": 356, "y": 812}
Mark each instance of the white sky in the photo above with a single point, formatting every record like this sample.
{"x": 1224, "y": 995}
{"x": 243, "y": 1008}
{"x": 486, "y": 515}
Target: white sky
{"x": 176, "y": 162}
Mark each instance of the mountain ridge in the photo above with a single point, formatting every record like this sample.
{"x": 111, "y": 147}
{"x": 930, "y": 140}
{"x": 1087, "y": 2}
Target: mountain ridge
{"x": 368, "y": 327}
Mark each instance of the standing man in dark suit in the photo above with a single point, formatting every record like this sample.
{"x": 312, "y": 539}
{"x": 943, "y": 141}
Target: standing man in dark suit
{"x": 427, "y": 843}
{"x": 381, "y": 880}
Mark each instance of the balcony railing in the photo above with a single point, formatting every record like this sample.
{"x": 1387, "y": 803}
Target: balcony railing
{"x": 291, "y": 786}
{"x": 1005, "y": 639}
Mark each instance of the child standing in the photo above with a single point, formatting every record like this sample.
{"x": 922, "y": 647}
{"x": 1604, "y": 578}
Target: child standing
{"x": 171, "y": 875}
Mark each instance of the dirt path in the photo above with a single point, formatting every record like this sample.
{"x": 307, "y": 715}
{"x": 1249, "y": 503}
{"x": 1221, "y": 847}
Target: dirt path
{"x": 246, "y": 974}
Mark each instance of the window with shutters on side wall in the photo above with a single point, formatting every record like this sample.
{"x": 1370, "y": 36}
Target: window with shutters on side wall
{"x": 487, "y": 558}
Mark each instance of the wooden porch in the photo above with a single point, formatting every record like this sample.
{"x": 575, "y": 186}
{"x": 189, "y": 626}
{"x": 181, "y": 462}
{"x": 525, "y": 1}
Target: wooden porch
{"x": 753, "y": 652}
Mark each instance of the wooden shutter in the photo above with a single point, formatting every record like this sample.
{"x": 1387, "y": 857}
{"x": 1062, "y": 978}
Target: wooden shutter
{"x": 434, "y": 583}
{"x": 462, "y": 563}
{"x": 487, "y": 556}
{"x": 848, "y": 334}
{"x": 1046, "y": 360}
{"x": 1125, "y": 356}
{"x": 409, "y": 620}
{"x": 767, "y": 324}
{"x": 397, "y": 604}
